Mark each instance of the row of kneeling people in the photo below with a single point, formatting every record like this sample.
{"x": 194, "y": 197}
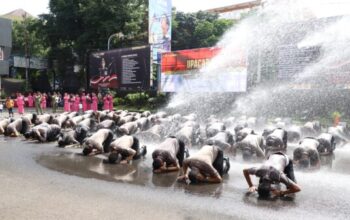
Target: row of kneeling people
{"x": 207, "y": 165}
{"x": 307, "y": 154}
{"x": 83, "y": 129}
{"x": 71, "y": 128}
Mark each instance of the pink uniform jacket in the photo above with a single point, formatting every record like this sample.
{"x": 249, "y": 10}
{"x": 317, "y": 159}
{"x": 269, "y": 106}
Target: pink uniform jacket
{"x": 20, "y": 104}
{"x": 66, "y": 103}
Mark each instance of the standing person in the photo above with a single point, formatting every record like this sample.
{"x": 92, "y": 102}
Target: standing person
{"x": 54, "y": 102}
{"x": 110, "y": 99}
{"x": 72, "y": 103}
{"x": 30, "y": 100}
{"x": 9, "y": 105}
{"x": 105, "y": 102}
{"x": 94, "y": 103}
{"x": 77, "y": 102}
{"x": 20, "y": 103}
{"x": 88, "y": 102}
{"x": 37, "y": 100}
{"x": 48, "y": 100}
{"x": 43, "y": 101}
{"x": 66, "y": 102}
{"x": 100, "y": 101}
{"x": 83, "y": 101}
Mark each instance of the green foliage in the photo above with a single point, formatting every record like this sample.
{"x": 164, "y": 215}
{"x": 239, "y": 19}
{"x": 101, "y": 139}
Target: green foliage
{"x": 118, "y": 101}
{"x": 195, "y": 30}
{"x": 74, "y": 29}
{"x": 26, "y": 36}
{"x": 137, "y": 99}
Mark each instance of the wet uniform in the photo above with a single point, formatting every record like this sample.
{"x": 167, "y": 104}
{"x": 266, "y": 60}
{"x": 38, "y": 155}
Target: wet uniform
{"x": 223, "y": 139}
{"x": 327, "y": 143}
{"x": 278, "y": 169}
{"x": 170, "y": 150}
{"x": 252, "y": 143}
{"x": 126, "y": 146}
{"x": 277, "y": 140}
{"x": 308, "y": 146}
{"x": 100, "y": 140}
{"x": 208, "y": 160}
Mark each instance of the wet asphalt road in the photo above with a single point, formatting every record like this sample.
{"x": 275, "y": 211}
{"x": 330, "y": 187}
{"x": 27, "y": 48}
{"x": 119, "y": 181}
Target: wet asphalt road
{"x": 41, "y": 181}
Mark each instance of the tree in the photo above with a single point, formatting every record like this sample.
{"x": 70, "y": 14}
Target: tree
{"x": 195, "y": 30}
{"x": 74, "y": 29}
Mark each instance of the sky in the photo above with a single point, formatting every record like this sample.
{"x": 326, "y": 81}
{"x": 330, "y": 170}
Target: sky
{"x": 323, "y": 7}
{"x": 36, "y": 7}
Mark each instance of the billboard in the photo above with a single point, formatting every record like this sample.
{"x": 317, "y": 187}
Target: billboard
{"x": 124, "y": 69}
{"x": 160, "y": 26}
{"x": 183, "y": 71}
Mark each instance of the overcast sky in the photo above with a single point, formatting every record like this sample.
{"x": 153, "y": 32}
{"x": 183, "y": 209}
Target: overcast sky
{"x": 322, "y": 7}
{"x": 36, "y": 7}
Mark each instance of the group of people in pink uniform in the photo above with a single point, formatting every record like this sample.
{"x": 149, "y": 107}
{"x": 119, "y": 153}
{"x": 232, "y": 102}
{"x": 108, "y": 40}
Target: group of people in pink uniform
{"x": 71, "y": 102}
{"x": 86, "y": 102}
{"x": 28, "y": 101}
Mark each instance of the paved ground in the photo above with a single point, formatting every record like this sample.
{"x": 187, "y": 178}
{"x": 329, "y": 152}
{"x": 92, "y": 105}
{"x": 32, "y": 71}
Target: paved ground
{"x": 41, "y": 181}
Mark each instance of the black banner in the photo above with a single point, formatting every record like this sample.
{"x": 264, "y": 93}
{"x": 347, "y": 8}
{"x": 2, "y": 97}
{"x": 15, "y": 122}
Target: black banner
{"x": 124, "y": 69}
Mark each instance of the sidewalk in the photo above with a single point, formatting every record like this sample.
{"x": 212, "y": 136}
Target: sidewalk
{"x": 27, "y": 110}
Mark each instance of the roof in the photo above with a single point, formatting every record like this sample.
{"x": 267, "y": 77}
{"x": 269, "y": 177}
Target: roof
{"x": 17, "y": 14}
{"x": 236, "y": 7}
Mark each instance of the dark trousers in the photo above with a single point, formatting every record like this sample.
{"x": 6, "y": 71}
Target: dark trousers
{"x": 10, "y": 111}
{"x": 140, "y": 151}
{"x": 221, "y": 163}
{"x": 289, "y": 171}
{"x": 181, "y": 154}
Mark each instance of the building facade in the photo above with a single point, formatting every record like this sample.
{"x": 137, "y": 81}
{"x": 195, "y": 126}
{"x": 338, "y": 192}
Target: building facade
{"x": 5, "y": 45}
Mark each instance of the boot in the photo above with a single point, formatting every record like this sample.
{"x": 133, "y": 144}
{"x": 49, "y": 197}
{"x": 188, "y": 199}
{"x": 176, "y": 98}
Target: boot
{"x": 226, "y": 165}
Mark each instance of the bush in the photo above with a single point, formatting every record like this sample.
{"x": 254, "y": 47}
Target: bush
{"x": 137, "y": 98}
{"x": 118, "y": 101}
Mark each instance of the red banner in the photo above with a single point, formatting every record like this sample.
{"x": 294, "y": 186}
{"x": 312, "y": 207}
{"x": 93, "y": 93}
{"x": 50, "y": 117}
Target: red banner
{"x": 184, "y": 60}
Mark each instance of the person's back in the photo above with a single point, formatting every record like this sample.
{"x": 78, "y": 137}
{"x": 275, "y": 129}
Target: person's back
{"x": 277, "y": 161}
{"x": 170, "y": 145}
{"x": 123, "y": 142}
{"x": 306, "y": 154}
{"x": 206, "y": 154}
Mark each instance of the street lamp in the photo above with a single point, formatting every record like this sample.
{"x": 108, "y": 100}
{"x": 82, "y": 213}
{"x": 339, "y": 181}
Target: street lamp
{"x": 119, "y": 35}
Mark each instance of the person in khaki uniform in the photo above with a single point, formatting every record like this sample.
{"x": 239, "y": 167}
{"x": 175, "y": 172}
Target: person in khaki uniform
{"x": 208, "y": 165}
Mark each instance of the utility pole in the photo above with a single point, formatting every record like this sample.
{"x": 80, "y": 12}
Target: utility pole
{"x": 119, "y": 35}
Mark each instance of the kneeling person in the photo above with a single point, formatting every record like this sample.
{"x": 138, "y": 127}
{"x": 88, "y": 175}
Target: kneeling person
{"x": 169, "y": 155}
{"x": 98, "y": 143}
{"x": 277, "y": 169}
{"x": 125, "y": 149}
{"x": 208, "y": 165}
{"x": 306, "y": 155}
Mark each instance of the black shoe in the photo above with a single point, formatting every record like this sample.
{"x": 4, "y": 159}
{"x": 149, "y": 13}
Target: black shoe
{"x": 187, "y": 154}
{"x": 143, "y": 151}
{"x": 226, "y": 165}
